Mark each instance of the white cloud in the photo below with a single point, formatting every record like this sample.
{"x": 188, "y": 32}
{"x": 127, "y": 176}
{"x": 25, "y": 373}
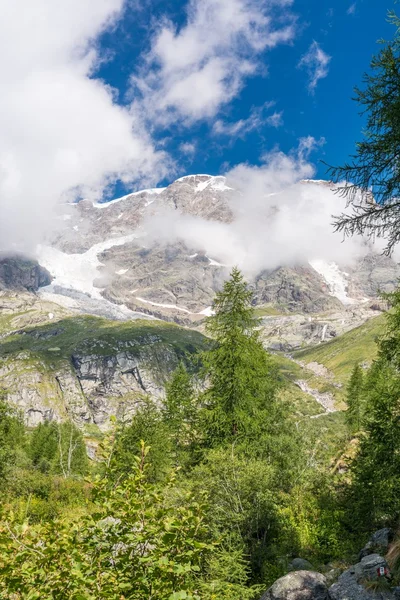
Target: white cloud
{"x": 257, "y": 119}
{"x": 189, "y": 73}
{"x": 352, "y": 8}
{"x": 188, "y": 148}
{"x": 316, "y": 63}
{"x": 278, "y": 218}
{"x": 61, "y": 129}
{"x": 276, "y": 119}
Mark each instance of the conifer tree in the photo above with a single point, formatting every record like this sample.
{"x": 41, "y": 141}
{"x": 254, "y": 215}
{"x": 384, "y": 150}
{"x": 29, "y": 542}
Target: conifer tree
{"x": 180, "y": 402}
{"x": 372, "y": 176}
{"x": 376, "y": 469}
{"x": 354, "y": 399}
{"x": 241, "y": 377}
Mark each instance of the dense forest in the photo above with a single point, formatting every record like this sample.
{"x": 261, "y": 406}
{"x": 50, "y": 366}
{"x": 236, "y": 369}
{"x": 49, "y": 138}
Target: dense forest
{"x": 208, "y": 495}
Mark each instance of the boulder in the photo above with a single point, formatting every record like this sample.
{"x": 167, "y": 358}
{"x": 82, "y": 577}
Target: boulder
{"x": 370, "y": 567}
{"x": 300, "y": 564}
{"x": 299, "y": 585}
{"x": 378, "y": 543}
{"x": 363, "y": 582}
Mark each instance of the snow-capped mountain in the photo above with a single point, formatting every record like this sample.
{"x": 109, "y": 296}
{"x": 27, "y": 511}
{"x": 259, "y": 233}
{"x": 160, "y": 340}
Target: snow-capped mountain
{"x": 125, "y": 259}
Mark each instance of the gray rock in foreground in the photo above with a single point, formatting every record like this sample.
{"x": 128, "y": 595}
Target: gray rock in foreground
{"x": 379, "y": 542}
{"x": 360, "y": 582}
{"x": 299, "y": 585}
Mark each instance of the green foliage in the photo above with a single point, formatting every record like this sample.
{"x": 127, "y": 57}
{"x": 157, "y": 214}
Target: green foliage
{"x": 376, "y": 485}
{"x": 59, "y": 448}
{"x": 181, "y": 408}
{"x": 241, "y": 377}
{"x": 375, "y": 491}
{"x": 12, "y": 436}
{"x": 146, "y": 423}
{"x": 134, "y": 545}
{"x": 375, "y": 166}
{"x": 354, "y": 413}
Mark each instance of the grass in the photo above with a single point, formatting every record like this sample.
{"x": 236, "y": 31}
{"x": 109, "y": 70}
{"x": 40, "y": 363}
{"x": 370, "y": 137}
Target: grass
{"x": 268, "y": 310}
{"x": 56, "y": 341}
{"x": 341, "y": 354}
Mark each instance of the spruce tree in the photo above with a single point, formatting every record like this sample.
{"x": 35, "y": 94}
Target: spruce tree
{"x": 240, "y": 374}
{"x": 354, "y": 399}
{"x": 376, "y": 469}
{"x": 372, "y": 176}
{"x": 180, "y": 401}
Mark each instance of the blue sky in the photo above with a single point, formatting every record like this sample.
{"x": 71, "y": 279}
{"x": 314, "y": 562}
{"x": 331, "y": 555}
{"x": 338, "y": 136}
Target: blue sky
{"x": 345, "y": 31}
{"x": 100, "y": 98}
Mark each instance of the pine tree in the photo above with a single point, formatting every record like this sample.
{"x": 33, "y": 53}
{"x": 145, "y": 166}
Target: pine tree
{"x": 241, "y": 377}
{"x": 376, "y": 469}
{"x": 354, "y": 399}
{"x": 375, "y": 165}
{"x": 180, "y": 398}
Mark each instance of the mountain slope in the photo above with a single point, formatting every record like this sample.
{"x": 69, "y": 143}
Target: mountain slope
{"x": 147, "y": 254}
{"x": 340, "y": 355}
{"x": 86, "y": 368}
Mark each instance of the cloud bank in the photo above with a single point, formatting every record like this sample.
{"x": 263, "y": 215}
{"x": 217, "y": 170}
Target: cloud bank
{"x": 281, "y": 218}
{"x": 62, "y": 133}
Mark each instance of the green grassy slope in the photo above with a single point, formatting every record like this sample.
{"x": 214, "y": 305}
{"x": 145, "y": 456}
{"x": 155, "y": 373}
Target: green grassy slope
{"x": 57, "y": 341}
{"x": 341, "y": 354}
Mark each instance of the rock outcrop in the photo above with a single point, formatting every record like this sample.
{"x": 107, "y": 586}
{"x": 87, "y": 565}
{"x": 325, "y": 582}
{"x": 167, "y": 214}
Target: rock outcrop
{"x": 299, "y": 585}
{"x": 88, "y": 369}
{"x": 367, "y": 580}
{"x": 20, "y": 273}
{"x": 378, "y": 543}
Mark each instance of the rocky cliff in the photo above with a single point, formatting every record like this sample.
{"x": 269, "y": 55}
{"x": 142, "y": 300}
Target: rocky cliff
{"x": 18, "y": 272}
{"x": 127, "y": 252}
{"x": 85, "y": 368}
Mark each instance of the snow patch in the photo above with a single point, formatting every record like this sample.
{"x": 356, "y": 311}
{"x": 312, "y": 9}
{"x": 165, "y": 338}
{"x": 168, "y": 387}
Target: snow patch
{"x": 122, "y": 271}
{"x": 201, "y": 186}
{"x": 334, "y": 278}
{"x": 219, "y": 185}
{"x": 149, "y": 191}
{"x": 214, "y": 263}
{"x": 186, "y": 310}
{"x": 208, "y": 312}
{"x": 78, "y": 271}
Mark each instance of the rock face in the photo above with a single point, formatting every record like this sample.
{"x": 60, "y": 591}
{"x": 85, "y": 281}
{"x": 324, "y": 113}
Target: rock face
{"x": 85, "y": 368}
{"x": 154, "y": 272}
{"x": 300, "y": 585}
{"x": 357, "y": 583}
{"x": 378, "y": 543}
{"x": 18, "y": 272}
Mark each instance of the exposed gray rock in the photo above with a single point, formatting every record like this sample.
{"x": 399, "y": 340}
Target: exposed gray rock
{"x": 18, "y": 272}
{"x": 378, "y": 543}
{"x": 370, "y": 566}
{"x": 299, "y": 585}
{"x": 362, "y": 582}
{"x": 300, "y": 564}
